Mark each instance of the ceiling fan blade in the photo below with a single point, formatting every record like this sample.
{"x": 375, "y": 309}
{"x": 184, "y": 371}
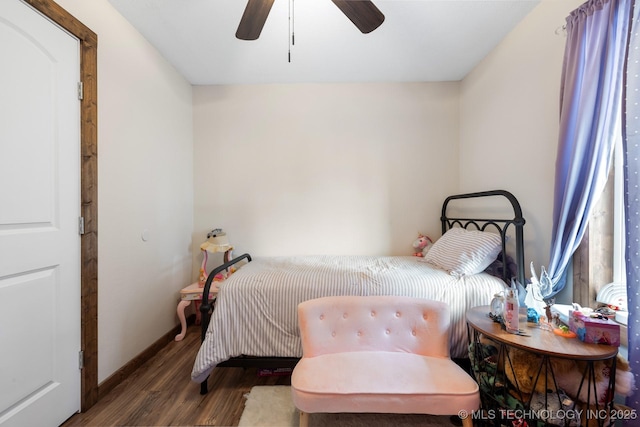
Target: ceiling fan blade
{"x": 363, "y": 13}
{"x": 253, "y": 19}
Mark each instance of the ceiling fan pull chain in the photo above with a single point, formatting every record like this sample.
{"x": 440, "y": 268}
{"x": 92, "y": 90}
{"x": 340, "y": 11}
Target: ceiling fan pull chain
{"x": 289, "y": 35}
{"x": 292, "y": 37}
{"x": 293, "y": 23}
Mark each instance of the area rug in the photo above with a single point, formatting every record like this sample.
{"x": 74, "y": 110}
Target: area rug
{"x": 271, "y": 406}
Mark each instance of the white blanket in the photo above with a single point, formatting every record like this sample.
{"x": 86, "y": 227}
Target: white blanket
{"x": 256, "y": 310}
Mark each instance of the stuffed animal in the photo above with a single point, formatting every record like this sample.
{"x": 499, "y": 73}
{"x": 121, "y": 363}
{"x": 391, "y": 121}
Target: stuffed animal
{"x": 521, "y": 368}
{"x": 422, "y": 245}
{"x": 524, "y": 369}
{"x": 550, "y": 405}
{"x": 570, "y": 374}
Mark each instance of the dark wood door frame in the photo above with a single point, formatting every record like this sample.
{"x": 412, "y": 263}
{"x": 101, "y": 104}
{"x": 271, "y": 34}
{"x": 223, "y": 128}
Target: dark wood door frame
{"x": 89, "y": 192}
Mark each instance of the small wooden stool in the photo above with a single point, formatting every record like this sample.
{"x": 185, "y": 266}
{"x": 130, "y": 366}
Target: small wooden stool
{"x": 193, "y": 292}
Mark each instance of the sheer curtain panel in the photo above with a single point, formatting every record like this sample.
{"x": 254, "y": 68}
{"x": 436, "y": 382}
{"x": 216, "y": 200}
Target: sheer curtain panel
{"x": 631, "y": 153}
{"x": 590, "y": 103}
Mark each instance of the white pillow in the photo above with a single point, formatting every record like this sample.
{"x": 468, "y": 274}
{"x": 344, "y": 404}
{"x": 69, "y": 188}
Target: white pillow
{"x": 462, "y": 252}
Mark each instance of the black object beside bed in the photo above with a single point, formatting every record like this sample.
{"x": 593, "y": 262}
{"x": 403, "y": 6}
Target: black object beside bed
{"x": 511, "y": 224}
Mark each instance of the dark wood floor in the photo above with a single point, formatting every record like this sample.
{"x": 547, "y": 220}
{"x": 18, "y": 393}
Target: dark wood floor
{"x": 161, "y": 393}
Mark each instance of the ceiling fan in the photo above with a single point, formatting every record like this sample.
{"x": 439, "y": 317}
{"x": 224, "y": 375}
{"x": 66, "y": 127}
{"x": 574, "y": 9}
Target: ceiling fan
{"x": 363, "y": 13}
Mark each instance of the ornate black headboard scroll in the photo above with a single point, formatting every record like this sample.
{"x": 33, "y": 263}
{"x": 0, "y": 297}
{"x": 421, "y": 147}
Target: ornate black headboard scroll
{"x": 502, "y": 225}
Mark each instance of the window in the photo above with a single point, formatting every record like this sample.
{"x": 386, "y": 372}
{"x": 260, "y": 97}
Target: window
{"x": 619, "y": 267}
{"x": 615, "y": 293}
{"x": 599, "y": 264}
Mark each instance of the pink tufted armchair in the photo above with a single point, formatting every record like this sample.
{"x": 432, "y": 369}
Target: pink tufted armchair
{"x": 379, "y": 354}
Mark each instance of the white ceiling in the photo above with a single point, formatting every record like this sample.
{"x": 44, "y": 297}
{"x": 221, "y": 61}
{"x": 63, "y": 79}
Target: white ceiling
{"x": 420, "y": 40}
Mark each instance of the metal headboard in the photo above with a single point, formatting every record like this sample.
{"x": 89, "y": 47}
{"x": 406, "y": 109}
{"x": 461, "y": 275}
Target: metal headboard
{"x": 501, "y": 225}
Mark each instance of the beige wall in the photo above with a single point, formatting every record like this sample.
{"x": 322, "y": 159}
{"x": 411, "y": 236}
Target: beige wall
{"x": 145, "y": 175}
{"x": 294, "y": 193}
{"x": 324, "y": 169}
{"x": 509, "y": 120}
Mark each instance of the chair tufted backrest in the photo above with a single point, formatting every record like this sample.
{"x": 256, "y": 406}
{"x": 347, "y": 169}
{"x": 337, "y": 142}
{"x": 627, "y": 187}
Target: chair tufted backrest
{"x": 340, "y": 324}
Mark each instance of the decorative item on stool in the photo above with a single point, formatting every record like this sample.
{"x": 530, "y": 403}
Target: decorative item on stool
{"x": 217, "y": 241}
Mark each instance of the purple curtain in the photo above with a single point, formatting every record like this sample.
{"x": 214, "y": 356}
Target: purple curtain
{"x": 590, "y": 103}
{"x": 631, "y": 154}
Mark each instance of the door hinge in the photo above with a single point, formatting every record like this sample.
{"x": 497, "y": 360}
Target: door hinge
{"x": 81, "y": 225}
{"x": 80, "y": 91}
{"x": 81, "y": 359}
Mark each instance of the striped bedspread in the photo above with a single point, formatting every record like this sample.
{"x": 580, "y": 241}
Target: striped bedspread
{"x": 256, "y": 310}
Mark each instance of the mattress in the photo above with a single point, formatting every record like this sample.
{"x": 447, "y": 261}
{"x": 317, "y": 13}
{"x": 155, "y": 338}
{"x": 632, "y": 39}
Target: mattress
{"x": 256, "y": 310}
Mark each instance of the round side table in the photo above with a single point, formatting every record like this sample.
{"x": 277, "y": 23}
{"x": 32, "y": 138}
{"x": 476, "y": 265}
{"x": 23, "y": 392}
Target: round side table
{"x": 498, "y": 392}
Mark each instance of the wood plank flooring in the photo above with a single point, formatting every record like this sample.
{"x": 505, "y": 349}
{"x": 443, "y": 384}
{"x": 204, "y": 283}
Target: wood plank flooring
{"x": 161, "y": 393}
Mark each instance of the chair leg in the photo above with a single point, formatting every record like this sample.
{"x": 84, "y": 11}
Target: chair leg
{"x": 304, "y": 419}
{"x": 467, "y": 422}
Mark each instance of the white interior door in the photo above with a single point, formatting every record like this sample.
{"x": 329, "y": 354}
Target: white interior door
{"x": 39, "y": 209}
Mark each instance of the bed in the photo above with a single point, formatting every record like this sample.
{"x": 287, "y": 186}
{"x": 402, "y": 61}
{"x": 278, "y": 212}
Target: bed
{"x": 253, "y": 320}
